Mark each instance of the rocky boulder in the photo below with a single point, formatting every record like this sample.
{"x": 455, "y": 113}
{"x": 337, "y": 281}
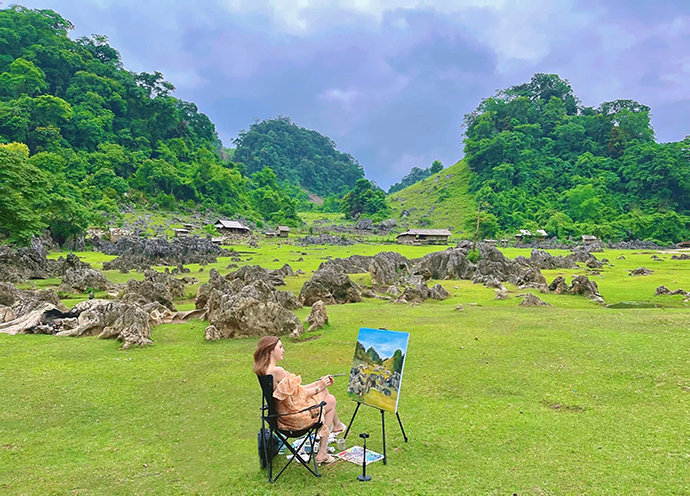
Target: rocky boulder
{"x": 388, "y": 268}
{"x": 447, "y": 264}
{"x": 582, "y": 285}
{"x": 141, "y": 253}
{"x": 330, "y": 286}
{"x": 593, "y": 263}
{"x": 355, "y": 264}
{"x": 682, "y": 256}
{"x": 545, "y": 261}
{"x": 237, "y": 315}
{"x": 252, "y": 273}
{"x": 558, "y": 286}
{"x": 23, "y": 264}
{"x": 663, "y": 290}
{"x": 641, "y": 271}
{"x": 83, "y": 280}
{"x": 421, "y": 293}
{"x": 365, "y": 224}
{"x": 215, "y": 282}
{"x": 531, "y": 300}
{"x": 111, "y": 320}
{"x": 156, "y": 286}
{"x": 318, "y": 316}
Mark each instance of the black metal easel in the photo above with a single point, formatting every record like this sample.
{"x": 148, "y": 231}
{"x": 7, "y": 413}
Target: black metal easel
{"x": 383, "y": 427}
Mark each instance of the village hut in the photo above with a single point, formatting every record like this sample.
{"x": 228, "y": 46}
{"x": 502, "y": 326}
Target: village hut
{"x": 116, "y": 233}
{"x": 424, "y": 237}
{"x": 588, "y": 239}
{"x": 283, "y": 231}
{"x": 226, "y": 227}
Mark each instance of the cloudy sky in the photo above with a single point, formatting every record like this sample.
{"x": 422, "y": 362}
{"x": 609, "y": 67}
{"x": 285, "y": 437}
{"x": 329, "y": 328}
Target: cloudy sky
{"x": 390, "y": 80}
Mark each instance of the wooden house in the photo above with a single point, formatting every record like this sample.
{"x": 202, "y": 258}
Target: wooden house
{"x": 283, "y": 231}
{"x": 589, "y": 240}
{"x": 424, "y": 237}
{"x": 181, "y": 233}
{"x": 226, "y": 227}
{"x": 116, "y": 233}
{"x": 684, "y": 244}
{"x": 523, "y": 236}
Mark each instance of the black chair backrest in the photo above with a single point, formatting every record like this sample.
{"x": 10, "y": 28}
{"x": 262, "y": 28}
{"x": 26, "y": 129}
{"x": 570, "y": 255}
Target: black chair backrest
{"x": 266, "y": 382}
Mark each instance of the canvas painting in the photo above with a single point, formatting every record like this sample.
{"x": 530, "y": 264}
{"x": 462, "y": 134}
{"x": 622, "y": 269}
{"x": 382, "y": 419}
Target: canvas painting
{"x": 377, "y": 368}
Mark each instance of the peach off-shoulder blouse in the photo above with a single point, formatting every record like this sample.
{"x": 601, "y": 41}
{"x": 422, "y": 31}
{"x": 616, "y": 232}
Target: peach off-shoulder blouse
{"x": 292, "y": 397}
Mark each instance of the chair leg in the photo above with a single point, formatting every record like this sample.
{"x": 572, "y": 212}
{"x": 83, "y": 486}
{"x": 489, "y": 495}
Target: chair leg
{"x": 313, "y": 455}
{"x": 295, "y": 455}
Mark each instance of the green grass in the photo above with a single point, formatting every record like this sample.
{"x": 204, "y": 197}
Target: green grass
{"x": 424, "y": 200}
{"x": 496, "y": 399}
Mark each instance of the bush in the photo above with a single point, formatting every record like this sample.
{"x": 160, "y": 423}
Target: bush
{"x": 473, "y": 256}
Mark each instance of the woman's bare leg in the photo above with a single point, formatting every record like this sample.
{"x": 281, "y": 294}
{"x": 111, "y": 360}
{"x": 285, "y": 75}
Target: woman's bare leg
{"x": 329, "y": 412}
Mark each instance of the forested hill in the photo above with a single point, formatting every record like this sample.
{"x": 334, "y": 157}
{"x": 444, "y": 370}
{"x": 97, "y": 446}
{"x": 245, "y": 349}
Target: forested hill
{"x": 298, "y": 155}
{"x": 543, "y": 160}
{"x": 415, "y": 175}
{"x": 80, "y": 135}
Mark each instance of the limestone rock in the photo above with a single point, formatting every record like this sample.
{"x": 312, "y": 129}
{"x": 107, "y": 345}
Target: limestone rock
{"x": 388, "y": 268}
{"x": 447, "y": 264}
{"x": 558, "y": 285}
{"x": 318, "y": 316}
{"x": 501, "y": 294}
{"x": 251, "y": 273}
{"x": 156, "y": 286}
{"x": 212, "y": 333}
{"x": 593, "y": 263}
{"x": 641, "y": 271}
{"x": 215, "y": 282}
{"x": 330, "y": 286}
{"x": 531, "y": 300}
{"x": 238, "y": 315}
{"x": 582, "y": 285}
{"x": 355, "y": 264}
{"x": 82, "y": 280}
{"x": 394, "y": 290}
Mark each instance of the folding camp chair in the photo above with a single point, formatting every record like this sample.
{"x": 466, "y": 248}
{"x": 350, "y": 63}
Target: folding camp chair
{"x": 269, "y": 415}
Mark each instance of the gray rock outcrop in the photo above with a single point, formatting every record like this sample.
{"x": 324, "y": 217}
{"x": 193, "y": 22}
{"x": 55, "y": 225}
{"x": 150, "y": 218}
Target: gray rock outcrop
{"x": 142, "y": 253}
{"x": 355, "y": 264}
{"x": 237, "y": 315}
{"x": 318, "y": 316}
{"x": 641, "y": 271}
{"x": 156, "y": 286}
{"x": 531, "y": 300}
{"x": 330, "y": 286}
{"x": 83, "y": 280}
{"x": 388, "y": 268}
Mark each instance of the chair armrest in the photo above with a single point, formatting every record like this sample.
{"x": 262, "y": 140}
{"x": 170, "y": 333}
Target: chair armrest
{"x": 319, "y": 406}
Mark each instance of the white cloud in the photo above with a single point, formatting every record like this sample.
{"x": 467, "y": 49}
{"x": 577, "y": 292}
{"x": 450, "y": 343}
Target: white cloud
{"x": 344, "y": 97}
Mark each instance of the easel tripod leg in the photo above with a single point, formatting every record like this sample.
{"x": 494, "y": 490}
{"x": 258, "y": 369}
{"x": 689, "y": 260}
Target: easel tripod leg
{"x": 401, "y": 426}
{"x": 352, "y": 420}
{"x": 383, "y": 428}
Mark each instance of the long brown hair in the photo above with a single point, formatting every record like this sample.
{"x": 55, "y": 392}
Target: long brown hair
{"x": 262, "y": 355}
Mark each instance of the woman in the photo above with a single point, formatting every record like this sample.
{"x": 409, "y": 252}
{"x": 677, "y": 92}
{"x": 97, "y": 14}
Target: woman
{"x": 291, "y": 396}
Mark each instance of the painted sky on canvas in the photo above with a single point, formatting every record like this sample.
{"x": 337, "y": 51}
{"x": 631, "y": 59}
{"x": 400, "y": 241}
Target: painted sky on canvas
{"x": 390, "y": 80}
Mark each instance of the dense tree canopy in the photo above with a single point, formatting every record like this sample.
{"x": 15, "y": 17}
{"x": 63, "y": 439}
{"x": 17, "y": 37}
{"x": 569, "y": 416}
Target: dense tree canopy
{"x": 543, "y": 160}
{"x": 415, "y": 175}
{"x": 365, "y": 199}
{"x": 97, "y": 135}
{"x": 298, "y": 155}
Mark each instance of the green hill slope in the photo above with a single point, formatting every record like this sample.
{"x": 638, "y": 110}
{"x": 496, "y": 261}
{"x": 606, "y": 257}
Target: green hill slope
{"x": 442, "y": 200}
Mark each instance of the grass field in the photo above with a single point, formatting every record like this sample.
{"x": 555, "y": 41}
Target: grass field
{"x": 496, "y": 399}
